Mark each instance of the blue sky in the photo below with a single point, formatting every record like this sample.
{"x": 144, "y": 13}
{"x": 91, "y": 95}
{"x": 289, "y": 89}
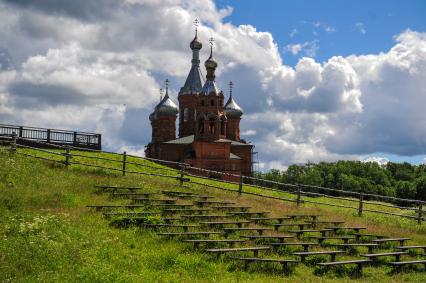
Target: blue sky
{"x": 335, "y": 27}
{"x": 354, "y": 27}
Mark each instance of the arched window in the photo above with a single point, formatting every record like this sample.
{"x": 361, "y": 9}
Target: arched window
{"x": 185, "y": 114}
{"x": 212, "y": 102}
{"x": 202, "y": 102}
{"x": 211, "y": 125}
{"x": 201, "y": 126}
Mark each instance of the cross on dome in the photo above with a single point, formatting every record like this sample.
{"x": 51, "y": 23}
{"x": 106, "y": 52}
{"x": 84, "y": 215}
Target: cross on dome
{"x": 196, "y": 22}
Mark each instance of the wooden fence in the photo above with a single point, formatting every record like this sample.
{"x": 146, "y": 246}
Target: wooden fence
{"x": 302, "y": 193}
{"x": 32, "y": 136}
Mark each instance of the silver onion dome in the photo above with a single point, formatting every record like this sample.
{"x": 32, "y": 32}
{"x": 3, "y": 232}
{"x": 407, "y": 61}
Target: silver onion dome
{"x": 166, "y": 107}
{"x": 195, "y": 44}
{"x": 210, "y": 62}
{"x": 232, "y": 109}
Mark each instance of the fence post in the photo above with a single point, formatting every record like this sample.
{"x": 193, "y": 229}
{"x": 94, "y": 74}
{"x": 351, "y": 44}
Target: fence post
{"x": 124, "y": 163}
{"x": 240, "y": 186}
{"x": 13, "y": 143}
{"x": 182, "y": 173}
{"x": 67, "y": 156}
{"x": 361, "y": 204}
{"x": 48, "y": 135}
{"x": 420, "y": 218}
{"x": 74, "y": 139}
{"x": 21, "y": 129}
{"x": 299, "y": 192}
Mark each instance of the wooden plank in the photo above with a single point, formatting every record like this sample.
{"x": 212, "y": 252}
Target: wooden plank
{"x": 221, "y": 223}
{"x": 408, "y": 262}
{"x": 248, "y": 212}
{"x": 370, "y": 246}
{"x": 189, "y": 234}
{"x": 207, "y": 216}
{"x": 357, "y": 261}
{"x": 304, "y": 245}
{"x": 412, "y": 248}
{"x": 226, "y": 207}
{"x": 283, "y": 262}
{"x": 321, "y": 239}
{"x": 303, "y": 255}
{"x": 356, "y": 229}
{"x": 197, "y": 242}
{"x": 400, "y": 240}
{"x": 177, "y": 192}
{"x": 281, "y": 238}
{"x": 258, "y": 229}
{"x": 396, "y": 254}
{"x": 255, "y": 250}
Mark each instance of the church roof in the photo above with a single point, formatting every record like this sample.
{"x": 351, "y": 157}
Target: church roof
{"x": 190, "y": 139}
{"x": 184, "y": 140}
{"x": 210, "y": 87}
{"x": 194, "y": 82}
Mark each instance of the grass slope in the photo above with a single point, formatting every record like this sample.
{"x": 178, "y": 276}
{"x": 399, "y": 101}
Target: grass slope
{"x": 47, "y": 234}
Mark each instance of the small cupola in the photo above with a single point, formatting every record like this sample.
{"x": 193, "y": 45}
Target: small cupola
{"x": 232, "y": 109}
{"x": 166, "y": 107}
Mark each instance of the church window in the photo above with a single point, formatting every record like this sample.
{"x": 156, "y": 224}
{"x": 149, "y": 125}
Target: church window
{"x": 202, "y": 102}
{"x": 212, "y": 102}
{"x": 222, "y": 127}
{"x": 211, "y": 125}
{"x": 201, "y": 126}
{"x": 185, "y": 114}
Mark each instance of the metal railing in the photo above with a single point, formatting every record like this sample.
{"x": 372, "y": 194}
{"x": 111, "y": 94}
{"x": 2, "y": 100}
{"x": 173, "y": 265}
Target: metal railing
{"x": 29, "y": 135}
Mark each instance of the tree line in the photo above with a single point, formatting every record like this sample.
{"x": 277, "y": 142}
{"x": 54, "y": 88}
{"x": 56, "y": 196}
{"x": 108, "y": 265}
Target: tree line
{"x": 402, "y": 180}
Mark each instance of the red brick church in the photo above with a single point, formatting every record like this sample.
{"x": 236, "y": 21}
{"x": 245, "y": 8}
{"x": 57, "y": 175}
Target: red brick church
{"x": 209, "y": 131}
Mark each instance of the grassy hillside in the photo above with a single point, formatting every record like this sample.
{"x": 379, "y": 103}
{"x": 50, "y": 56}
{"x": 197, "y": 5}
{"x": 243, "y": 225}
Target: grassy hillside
{"x": 47, "y": 233}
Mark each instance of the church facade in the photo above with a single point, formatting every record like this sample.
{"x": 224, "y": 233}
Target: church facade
{"x": 209, "y": 129}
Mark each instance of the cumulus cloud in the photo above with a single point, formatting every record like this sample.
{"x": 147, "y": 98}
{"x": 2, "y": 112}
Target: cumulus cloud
{"x": 377, "y": 159}
{"x": 65, "y": 65}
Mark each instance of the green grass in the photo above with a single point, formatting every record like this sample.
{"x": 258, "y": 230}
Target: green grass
{"x": 47, "y": 234}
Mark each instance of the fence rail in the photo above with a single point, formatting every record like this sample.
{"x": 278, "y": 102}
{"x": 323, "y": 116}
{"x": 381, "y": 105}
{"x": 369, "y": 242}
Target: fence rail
{"x": 183, "y": 174}
{"x": 31, "y": 136}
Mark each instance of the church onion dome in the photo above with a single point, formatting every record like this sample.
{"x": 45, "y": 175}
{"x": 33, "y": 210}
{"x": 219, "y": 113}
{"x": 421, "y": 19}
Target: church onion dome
{"x": 166, "y": 107}
{"x": 195, "y": 44}
{"x": 232, "y": 109}
{"x": 210, "y": 62}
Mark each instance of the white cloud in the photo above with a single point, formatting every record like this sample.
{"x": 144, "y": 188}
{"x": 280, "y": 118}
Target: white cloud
{"x": 248, "y": 133}
{"x": 75, "y": 71}
{"x": 309, "y": 48}
{"x": 292, "y": 33}
{"x": 360, "y": 27}
{"x": 377, "y": 159}
{"x": 325, "y": 27}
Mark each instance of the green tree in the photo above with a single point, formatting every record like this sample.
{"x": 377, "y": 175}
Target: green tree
{"x": 421, "y": 188}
